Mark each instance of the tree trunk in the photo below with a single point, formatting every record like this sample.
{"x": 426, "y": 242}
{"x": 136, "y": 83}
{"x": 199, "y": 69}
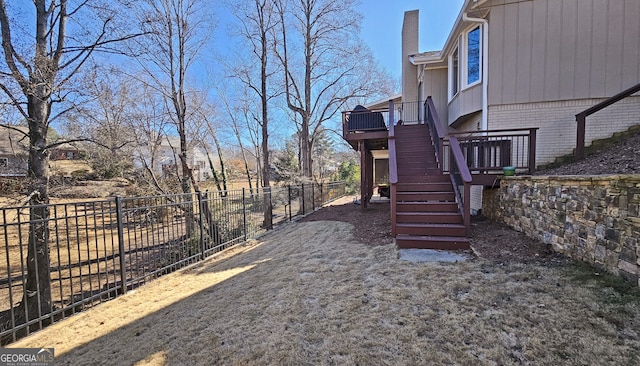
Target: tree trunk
{"x": 36, "y": 299}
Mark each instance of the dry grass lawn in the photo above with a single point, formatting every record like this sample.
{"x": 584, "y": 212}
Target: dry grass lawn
{"x": 308, "y": 293}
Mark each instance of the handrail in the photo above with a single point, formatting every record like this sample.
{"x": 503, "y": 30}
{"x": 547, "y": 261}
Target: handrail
{"x": 434, "y": 124}
{"x": 460, "y": 165}
{"x": 581, "y": 118}
{"x": 459, "y": 160}
{"x": 436, "y": 118}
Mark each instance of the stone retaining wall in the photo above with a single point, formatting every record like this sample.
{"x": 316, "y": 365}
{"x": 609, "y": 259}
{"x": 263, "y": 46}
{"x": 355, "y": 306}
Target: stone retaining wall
{"x": 590, "y": 218}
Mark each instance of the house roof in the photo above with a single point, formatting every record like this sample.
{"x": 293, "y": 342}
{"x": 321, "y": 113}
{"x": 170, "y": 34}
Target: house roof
{"x": 14, "y": 142}
{"x": 383, "y": 103}
{"x": 437, "y": 57}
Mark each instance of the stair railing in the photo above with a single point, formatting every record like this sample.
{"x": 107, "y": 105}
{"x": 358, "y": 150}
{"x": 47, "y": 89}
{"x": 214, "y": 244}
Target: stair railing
{"x": 437, "y": 131}
{"x": 581, "y": 118}
{"x": 459, "y": 171}
{"x": 393, "y": 169}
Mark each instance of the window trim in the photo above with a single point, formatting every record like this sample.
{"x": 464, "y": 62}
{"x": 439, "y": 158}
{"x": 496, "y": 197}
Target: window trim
{"x": 454, "y": 80}
{"x": 465, "y": 83}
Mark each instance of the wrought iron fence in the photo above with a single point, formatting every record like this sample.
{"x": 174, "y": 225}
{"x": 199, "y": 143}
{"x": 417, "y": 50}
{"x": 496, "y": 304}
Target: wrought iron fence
{"x": 100, "y": 249}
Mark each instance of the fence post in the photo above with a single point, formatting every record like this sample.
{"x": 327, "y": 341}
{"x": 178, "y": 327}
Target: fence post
{"x": 244, "y": 214}
{"x": 123, "y": 269}
{"x": 313, "y": 197}
{"x": 302, "y": 199}
{"x": 321, "y": 194}
{"x": 201, "y": 211}
{"x": 532, "y": 150}
{"x": 289, "y": 189}
{"x": 581, "y": 120}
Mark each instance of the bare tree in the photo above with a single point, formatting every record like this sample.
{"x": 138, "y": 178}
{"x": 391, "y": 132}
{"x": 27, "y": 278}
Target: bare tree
{"x": 205, "y": 129}
{"x": 330, "y": 65}
{"x": 178, "y": 30}
{"x": 105, "y": 120}
{"x": 36, "y": 74}
{"x": 257, "y": 22}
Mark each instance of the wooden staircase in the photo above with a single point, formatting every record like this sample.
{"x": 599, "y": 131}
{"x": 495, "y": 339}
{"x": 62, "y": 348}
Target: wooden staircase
{"x": 427, "y": 215}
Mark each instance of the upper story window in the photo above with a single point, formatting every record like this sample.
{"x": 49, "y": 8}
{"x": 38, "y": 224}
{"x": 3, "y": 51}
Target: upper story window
{"x": 454, "y": 73}
{"x": 465, "y": 62}
{"x": 473, "y": 55}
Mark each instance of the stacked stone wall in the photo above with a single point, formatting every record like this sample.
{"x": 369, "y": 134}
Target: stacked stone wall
{"x": 590, "y": 218}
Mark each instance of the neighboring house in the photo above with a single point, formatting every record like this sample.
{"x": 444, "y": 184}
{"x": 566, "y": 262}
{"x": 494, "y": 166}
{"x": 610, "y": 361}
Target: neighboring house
{"x": 66, "y": 151}
{"x": 164, "y": 158}
{"x": 534, "y": 63}
{"x": 14, "y": 152}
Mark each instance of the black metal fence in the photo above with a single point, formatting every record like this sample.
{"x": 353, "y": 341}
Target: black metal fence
{"x": 100, "y": 249}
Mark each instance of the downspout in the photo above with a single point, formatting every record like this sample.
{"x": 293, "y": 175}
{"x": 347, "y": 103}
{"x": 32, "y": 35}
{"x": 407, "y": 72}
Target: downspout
{"x": 485, "y": 67}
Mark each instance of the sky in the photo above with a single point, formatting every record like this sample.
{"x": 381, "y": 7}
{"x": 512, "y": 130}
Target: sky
{"x": 382, "y": 27}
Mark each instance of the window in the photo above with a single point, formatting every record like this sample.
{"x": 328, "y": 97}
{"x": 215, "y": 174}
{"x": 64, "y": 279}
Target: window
{"x": 4, "y": 162}
{"x": 473, "y": 56}
{"x": 455, "y": 72}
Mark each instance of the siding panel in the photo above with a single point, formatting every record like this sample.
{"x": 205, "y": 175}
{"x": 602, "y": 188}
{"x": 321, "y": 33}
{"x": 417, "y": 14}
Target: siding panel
{"x": 568, "y": 49}
{"x": 496, "y": 45}
{"x": 630, "y": 55}
{"x": 539, "y": 45}
{"x": 583, "y": 49}
{"x": 598, "y": 49}
{"x": 613, "y": 81}
{"x": 552, "y": 64}
{"x": 523, "y": 76}
{"x": 509, "y": 54}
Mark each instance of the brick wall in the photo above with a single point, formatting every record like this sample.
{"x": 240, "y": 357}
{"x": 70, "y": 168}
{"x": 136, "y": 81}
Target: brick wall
{"x": 557, "y": 124}
{"x": 593, "y": 219}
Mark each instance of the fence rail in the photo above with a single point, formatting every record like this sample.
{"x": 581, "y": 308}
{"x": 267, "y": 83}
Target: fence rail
{"x": 100, "y": 249}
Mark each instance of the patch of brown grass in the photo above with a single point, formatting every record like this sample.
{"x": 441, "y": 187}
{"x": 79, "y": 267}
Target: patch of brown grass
{"x": 307, "y": 293}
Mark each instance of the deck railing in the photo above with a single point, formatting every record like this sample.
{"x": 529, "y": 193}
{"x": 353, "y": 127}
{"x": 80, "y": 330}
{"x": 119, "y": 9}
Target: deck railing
{"x": 488, "y": 151}
{"x": 365, "y": 121}
{"x": 581, "y": 118}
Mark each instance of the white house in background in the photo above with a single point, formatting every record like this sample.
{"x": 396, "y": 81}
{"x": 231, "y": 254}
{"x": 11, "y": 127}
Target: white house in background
{"x": 14, "y": 152}
{"x": 164, "y": 158}
{"x": 530, "y": 63}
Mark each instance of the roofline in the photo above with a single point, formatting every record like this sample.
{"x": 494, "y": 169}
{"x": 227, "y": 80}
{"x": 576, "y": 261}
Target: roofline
{"x": 381, "y": 101}
{"x": 452, "y": 34}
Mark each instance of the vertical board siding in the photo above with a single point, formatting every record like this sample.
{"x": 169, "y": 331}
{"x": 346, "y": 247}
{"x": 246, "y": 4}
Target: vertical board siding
{"x": 615, "y": 35}
{"x": 583, "y": 49}
{"x": 568, "y": 49}
{"x": 435, "y": 86}
{"x": 509, "y": 54}
{"x": 523, "y": 57}
{"x": 546, "y": 50}
{"x": 630, "y": 41}
{"x": 552, "y": 66}
{"x": 538, "y": 47}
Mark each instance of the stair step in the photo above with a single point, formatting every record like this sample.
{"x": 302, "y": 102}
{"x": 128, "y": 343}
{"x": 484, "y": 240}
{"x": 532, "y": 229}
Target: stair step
{"x": 433, "y": 177}
{"x": 431, "y": 229}
{"x": 424, "y": 187}
{"x": 425, "y": 196}
{"x": 429, "y": 217}
{"x": 432, "y": 242}
{"x": 426, "y": 207}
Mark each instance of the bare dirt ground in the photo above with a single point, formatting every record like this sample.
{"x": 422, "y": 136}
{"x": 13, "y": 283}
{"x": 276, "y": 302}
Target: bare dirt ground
{"x": 312, "y": 292}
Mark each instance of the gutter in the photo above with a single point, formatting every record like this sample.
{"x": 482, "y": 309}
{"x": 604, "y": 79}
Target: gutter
{"x": 485, "y": 66}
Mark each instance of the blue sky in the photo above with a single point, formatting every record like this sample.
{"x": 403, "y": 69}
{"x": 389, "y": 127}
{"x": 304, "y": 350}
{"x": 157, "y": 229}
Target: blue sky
{"x": 383, "y": 24}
